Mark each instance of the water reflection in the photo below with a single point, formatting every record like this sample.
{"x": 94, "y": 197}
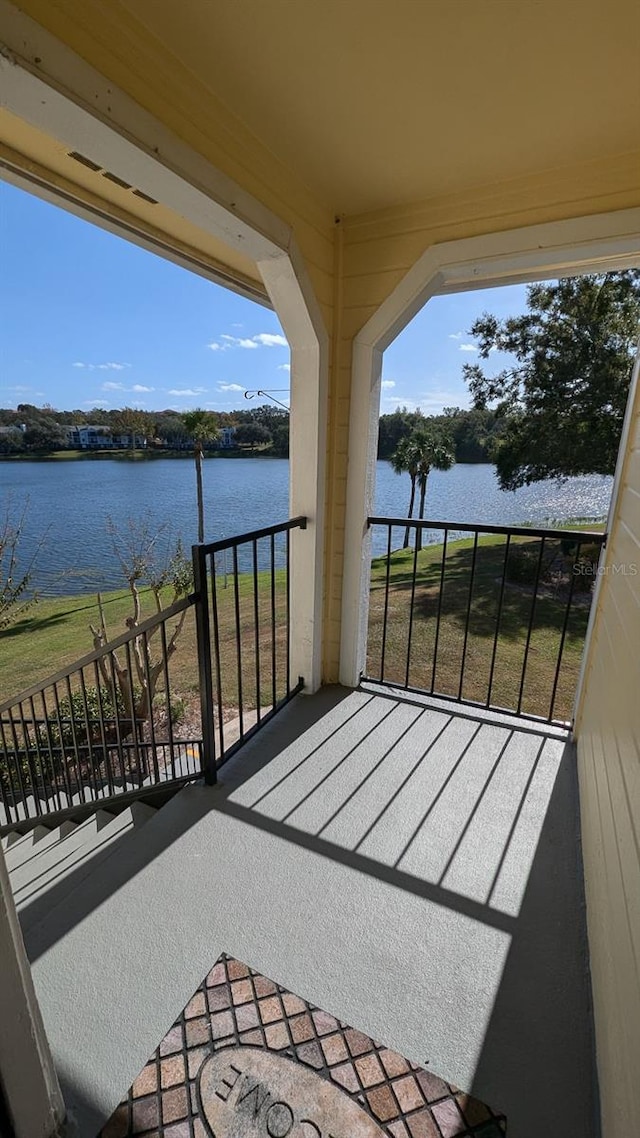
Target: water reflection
{"x": 71, "y": 501}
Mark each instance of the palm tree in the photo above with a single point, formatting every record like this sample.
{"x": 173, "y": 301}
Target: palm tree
{"x": 434, "y": 451}
{"x": 405, "y": 459}
{"x": 428, "y": 448}
{"x": 202, "y": 427}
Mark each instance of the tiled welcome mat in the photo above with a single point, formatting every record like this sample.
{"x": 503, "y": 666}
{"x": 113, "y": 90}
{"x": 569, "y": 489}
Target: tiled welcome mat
{"x": 248, "y": 1059}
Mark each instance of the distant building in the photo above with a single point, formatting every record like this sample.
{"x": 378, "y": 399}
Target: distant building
{"x": 96, "y": 436}
{"x": 89, "y": 437}
{"x": 139, "y": 441}
{"x": 225, "y": 438}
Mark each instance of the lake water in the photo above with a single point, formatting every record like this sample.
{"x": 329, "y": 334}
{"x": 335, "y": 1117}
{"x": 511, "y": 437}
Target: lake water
{"x": 70, "y": 503}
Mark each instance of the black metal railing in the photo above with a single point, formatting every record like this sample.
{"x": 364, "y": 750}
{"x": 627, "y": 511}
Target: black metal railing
{"x": 108, "y": 725}
{"x": 164, "y": 703}
{"x": 244, "y": 636}
{"x": 494, "y": 616}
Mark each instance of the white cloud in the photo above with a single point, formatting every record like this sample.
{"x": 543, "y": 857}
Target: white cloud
{"x": 388, "y": 383}
{"x": 269, "y": 340}
{"x": 186, "y": 391}
{"x": 111, "y": 365}
{"x": 261, "y": 340}
{"x": 284, "y": 367}
{"x": 430, "y": 402}
{"x": 230, "y": 387}
{"x": 234, "y": 342}
{"x": 468, "y": 348}
{"x": 19, "y": 387}
{"x": 456, "y": 335}
{"x": 95, "y": 403}
{"x": 394, "y": 401}
{"x": 111, "y": 385}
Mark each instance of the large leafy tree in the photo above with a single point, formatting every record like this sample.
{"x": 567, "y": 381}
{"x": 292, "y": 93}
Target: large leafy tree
{"x": 394, "y": 427}
{"x": 252, "y": 434}
{"x": 132, "y": 422}
{"x": 563, "y": 400}
{"x": 44, "y": 434}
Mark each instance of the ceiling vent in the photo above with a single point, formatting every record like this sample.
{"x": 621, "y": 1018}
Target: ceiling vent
{"x": 118, "y": 181}
{"x": 84, "y": 161}
{"x": 145, "y": 197}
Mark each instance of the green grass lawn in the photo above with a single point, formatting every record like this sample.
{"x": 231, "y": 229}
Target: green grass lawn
{"x": 55, "y": 633}
{"x": 72, "y": 455}
{"x": 410, "y": 643}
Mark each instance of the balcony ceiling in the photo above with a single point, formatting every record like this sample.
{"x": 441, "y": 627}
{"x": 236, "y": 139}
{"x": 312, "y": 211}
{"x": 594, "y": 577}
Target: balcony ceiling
{"x": 377, "y": 102}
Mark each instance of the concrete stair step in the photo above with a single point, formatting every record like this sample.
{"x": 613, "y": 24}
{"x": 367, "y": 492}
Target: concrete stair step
{"x": 57, "y": 867}
{"x": 15, "y": 839}
{"x": 61, "y": 801}
{"x": 25, "y": 846}
{"x": 11, "y": 839}
{"x": 52, "y": 855}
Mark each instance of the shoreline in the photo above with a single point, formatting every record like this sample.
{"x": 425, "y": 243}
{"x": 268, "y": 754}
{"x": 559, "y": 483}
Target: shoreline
{"x": 153, "y": 455}
{"x": 110, "y": 592}
{"x": 135, "y": 456}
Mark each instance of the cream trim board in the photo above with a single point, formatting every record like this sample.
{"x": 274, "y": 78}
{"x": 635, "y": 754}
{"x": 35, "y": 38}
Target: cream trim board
{"x": 27, "y": 1074}
{"x": 536, "y": 252}
{"x": 632, "y": 411}
{"x": 47, "y": 84}
{"x": 539, "y": 252}
{"x": 133, "y": 229}
{"x": 292, "y": 296}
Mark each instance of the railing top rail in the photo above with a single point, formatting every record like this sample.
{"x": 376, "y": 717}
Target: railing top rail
{"x": 581, "y": 535}
{"x": 253, "y": 535}
{"x": 131, "y": 634}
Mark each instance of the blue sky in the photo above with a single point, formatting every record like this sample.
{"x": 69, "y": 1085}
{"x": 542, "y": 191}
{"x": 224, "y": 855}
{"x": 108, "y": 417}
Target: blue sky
{"x": 89, "y": 320}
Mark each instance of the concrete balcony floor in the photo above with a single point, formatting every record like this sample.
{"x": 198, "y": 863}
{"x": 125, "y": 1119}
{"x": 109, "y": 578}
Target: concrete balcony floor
{"x": 410, "y": 866}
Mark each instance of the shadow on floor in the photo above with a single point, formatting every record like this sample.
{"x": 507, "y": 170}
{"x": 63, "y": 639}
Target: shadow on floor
{"x": 53, "y": 914}
{"x": 466, "y": 813}
{"x": 538, "y": 1054}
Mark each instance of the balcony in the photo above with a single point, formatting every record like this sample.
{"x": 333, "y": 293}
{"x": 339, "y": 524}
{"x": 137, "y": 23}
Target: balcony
{"x": 408, "y": 861}
{"x": 335, "y": 218}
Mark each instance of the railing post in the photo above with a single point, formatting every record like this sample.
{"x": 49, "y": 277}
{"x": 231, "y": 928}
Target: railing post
{"x": 203, "y": 635}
